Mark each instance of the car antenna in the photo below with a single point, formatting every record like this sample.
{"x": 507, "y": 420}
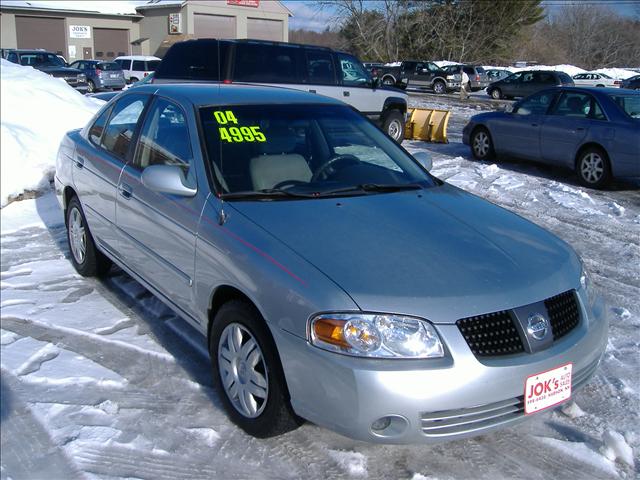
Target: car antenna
{"x": 222, "y": 216}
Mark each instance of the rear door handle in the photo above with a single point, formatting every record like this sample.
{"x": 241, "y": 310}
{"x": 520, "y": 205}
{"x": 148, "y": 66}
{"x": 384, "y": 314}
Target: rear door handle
{"x": 79, "y": 161}
{"x": 346, "y": 93}
{"x": 125, "y": 190}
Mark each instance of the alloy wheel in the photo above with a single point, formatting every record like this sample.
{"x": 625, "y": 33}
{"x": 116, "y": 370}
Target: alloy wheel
{"x": 77, "y": 236}
{"x": 243, "y": 371}
{"x": 481, "y": 144}
{"x": 592, "y": 167}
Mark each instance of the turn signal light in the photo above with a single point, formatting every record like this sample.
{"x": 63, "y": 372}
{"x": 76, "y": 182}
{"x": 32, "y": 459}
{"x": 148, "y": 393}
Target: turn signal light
{"x": 330, "y": 331}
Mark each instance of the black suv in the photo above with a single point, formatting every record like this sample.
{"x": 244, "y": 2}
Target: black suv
{"x": 50, "y": 63}
{"x": 528, "y": 82}
{"x": 418, "y": 74}
{"x": 302, "y": 67}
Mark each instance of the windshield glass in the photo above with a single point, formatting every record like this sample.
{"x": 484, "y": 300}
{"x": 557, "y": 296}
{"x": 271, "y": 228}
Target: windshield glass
{"x": 304, "y": 150}
{"x": 41, "y": 60}
{"x": 630, "y": 104}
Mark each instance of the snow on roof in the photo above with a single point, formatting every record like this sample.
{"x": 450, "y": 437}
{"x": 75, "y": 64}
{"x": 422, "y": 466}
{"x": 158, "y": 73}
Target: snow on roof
{"x": 30, "y": 140}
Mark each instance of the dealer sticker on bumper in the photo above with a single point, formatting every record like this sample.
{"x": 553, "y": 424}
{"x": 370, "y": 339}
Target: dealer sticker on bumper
{"x": 546, "y": 389}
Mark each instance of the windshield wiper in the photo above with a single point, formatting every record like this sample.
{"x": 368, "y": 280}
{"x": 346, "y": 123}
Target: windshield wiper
{"x": 374, "y": 187}
{"x": 265, "y": 194}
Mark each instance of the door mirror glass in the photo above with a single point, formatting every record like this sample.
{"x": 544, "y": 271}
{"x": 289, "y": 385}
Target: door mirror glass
{"x": 424, "y": 159}
{"x": 167, "y": 179}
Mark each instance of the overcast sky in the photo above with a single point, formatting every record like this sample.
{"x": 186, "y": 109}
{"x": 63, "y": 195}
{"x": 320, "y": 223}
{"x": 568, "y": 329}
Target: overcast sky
{"x": 306, "y": 13}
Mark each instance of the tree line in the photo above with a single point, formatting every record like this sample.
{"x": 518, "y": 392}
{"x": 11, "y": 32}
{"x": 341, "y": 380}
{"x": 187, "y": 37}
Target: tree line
{"x": 480, "y": 31}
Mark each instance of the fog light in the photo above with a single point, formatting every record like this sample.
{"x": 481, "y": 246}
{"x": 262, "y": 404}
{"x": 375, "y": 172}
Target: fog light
{"x": 381, "y": 424}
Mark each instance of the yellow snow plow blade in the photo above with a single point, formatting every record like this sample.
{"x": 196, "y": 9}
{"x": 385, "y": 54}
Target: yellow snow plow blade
{"x": 428, "y": 125}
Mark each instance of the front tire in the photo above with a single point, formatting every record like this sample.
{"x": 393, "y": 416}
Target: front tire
{"x": 496, "y": 94}
{"x": 481, "y": 144}
{"x": 85, "y": 257}
{"x": 393, "y": 125}
{"x": 388, "y": 81}
{"x": 592, "y": 168}
{"x": 91, "y": 87}
{"x": 439, "y": 87}
{"x": 248, "y": 373}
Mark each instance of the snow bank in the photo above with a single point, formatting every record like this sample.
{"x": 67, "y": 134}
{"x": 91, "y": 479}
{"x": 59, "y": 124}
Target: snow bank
{"x": 618, "y": 73}
{"x": 36, "y": 111}
{"x": 615, "y": 447}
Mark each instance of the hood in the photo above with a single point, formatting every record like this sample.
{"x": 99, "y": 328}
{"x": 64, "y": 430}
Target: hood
{"x": 440, "y": 253}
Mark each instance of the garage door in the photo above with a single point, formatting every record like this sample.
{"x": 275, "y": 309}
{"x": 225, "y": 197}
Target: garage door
{"x": 40, "y": 32}
{"x": 111, "y": 43}
{"x": 214, "y": 26}
{"x": 261, "y": 29}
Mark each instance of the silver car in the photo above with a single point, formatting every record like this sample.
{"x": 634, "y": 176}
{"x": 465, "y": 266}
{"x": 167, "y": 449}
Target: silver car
{"x": 335, "y": 279}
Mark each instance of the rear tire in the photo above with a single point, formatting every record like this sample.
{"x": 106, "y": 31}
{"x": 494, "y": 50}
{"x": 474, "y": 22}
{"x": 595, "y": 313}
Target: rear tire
{"x": 393, "y": 125}
{"x": 85, "y": 257}
{"x": 482, "y": 144}
{"x": 247, "y": 372}
{"x": 388, "y": 81}
{"x": 91, "y": 87}
{"x": 593, "y": 168}
{"x": 133, "y": 80}
{"x": 496, "y": 94}
{"x": 439, "y": 87}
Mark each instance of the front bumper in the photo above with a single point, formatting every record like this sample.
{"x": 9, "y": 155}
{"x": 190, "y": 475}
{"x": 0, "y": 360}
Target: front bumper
{"x": 429, "y": 401}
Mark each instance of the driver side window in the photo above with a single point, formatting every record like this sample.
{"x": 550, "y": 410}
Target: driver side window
{"x": 537, "y": 104}
{"x": 353, "y": 72}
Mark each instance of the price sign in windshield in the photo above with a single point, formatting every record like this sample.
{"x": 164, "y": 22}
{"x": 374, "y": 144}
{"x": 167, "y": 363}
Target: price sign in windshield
{"x": 231, "y": 132}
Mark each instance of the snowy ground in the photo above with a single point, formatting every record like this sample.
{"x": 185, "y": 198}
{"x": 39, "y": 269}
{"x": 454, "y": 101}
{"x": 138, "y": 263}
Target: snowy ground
{"x": 101, "y": 380}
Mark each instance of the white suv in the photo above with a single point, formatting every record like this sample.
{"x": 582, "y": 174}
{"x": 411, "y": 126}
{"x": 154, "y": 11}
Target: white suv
{"x": 136, "y": 67}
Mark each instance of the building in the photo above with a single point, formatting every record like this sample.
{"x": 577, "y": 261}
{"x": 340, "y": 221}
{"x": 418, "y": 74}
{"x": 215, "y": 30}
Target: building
{"x": 83, "y": 34}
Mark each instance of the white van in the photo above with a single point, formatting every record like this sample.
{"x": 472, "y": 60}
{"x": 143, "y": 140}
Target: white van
{"x": 136, "y": 67}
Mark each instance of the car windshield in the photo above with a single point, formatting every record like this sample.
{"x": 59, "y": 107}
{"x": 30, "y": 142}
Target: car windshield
{"x": 307, "y": 151}
{"x": 40, "y": 60}
{"x": 630, "y": 104}
{"x": 108, "y": 66}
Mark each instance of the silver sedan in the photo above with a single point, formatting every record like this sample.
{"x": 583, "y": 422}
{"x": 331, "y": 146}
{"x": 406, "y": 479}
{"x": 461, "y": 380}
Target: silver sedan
{"x": 335, "y": 279}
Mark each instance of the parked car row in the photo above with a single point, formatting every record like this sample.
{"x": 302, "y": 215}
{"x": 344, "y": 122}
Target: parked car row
{"x": 49, "y": 63}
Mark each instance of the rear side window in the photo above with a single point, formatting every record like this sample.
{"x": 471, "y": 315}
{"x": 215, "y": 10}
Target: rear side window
{"x": 95, "y": 132}
{"x": 191, "y": 60}
{"x": 118, "y": 133}
{"x": 320, "y": 69}
{"x": 469, "y": 70}
{"x": 267, "y": 63}
{"x": 579, "y": 105}
{"x": 629, "y": 104}
{"x": 564, "y": 78}
{"x": 546, "y": 78}
{"x": 138, "y": 66}
{"x": 152, "y": 65}
{"x": 108, "y": 66}
{"x": 537, "y": 104}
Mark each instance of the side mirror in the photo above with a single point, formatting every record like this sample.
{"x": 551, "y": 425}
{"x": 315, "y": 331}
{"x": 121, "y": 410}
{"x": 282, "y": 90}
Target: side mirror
{"x": 424, "y": 159}
{"x": 167, "y": 179}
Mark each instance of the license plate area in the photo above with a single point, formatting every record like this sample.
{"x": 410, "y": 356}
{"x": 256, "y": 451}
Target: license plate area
{"x": 546, "y": 389}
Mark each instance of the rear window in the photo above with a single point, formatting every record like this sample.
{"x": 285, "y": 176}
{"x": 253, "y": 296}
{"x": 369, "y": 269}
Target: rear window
{"x": 108, "y": 66}
{"x": 267, "y": 63}
{"x": 629, "y": 104}
{"x": 564, "y": 78}
{"x": 192, "y": 61}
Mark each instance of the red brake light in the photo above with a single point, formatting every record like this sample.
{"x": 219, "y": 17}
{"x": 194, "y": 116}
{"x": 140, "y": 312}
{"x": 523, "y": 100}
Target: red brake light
{"x": 227, "y": 82}
{"x": 617, "y": 82}
{"x": 478, "y": 78}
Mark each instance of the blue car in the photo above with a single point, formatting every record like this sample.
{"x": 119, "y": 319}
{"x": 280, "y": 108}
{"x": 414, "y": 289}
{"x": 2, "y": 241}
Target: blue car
{"x": 594, "y": 131}
{"x": 101, "y": 75}
{"x": 332, "y": 277}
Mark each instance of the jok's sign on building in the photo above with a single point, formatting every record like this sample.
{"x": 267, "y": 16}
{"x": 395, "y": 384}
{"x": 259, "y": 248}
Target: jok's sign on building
{"x": 79, "y": 31}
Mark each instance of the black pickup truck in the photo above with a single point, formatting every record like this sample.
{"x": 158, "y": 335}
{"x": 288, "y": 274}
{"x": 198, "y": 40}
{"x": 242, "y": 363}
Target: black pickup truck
{"x": 417, "y": 74}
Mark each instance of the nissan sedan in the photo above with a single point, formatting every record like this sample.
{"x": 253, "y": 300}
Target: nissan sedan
{"x": 593, "y": 131}
{"x": 334, "y": 278}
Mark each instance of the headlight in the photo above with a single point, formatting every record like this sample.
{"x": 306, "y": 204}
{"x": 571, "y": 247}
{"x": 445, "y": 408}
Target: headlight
{"x": 376, "y": 335}
{"x": 587, "y": 286}
{"x": 81, "y": 78}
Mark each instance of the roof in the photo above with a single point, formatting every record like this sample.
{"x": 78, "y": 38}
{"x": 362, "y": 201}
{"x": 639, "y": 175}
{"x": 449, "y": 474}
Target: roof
{"x": 138, "y": 57}
{"x": 201, "y": 94}
{"x": 26, "y": 7}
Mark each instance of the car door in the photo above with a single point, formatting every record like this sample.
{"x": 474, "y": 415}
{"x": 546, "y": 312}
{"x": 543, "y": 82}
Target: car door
{"x": 98, "y": 162}
{"x": 421, "y": 76}
{"x": 518, "y": 133}
{"x": 510, "y": 85}
{"x": 159, "y": 229}
{"x": 566, "y": 126}
{"x": 320, "y": 75}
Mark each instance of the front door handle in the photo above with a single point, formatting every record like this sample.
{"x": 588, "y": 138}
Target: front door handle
{"x": 79, "y": 161}
{"x": 346, "y": 93}
{"x": 125, "y": 190}
{"x": 534, "y": 124}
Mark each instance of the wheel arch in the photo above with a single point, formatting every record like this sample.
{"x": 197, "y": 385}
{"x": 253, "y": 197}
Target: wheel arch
{"x": 394, "y": 103}
{"x": 388, "y": 75}
{"x": 67, "y": 194}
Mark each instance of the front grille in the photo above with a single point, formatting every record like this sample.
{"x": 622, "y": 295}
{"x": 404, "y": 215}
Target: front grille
{"x": 563, "y": 313}
{"x": 495, "y": 334}
{"x": 492, "y": 334}
{"x": 464, "y": 420}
